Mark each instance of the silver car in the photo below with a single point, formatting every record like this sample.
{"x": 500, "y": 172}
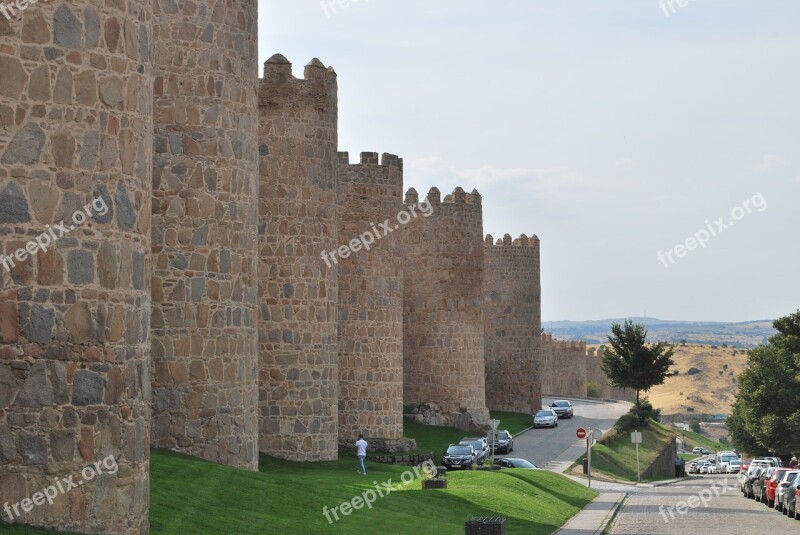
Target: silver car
{"x": 545, "y": 418}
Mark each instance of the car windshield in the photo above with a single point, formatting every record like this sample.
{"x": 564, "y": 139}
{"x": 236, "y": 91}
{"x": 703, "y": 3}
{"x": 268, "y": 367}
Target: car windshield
{"x": 543, "y": 413}
{"x": 561, "y": 404}
{"x": 502, "y": 435}
{"x": 459, "y": 450}
{"x": 474, "y": 443}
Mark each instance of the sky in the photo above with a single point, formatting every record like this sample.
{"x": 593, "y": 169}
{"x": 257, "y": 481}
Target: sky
{"x": 613, "y": 130}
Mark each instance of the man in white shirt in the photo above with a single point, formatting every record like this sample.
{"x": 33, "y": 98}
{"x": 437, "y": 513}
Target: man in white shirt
{"x": 361, "y": 446}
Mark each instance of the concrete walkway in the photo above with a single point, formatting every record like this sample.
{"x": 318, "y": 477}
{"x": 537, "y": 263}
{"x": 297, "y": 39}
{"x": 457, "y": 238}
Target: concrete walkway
{"x": 594, "y": 517}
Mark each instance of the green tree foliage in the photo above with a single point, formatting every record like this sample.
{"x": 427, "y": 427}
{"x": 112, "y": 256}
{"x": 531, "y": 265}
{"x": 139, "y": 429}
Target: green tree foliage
{"x": 632, "y": 362}
{"x": 765, "y": 417}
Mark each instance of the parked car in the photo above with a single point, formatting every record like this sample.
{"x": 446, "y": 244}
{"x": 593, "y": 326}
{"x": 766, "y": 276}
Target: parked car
{"x": 699, "y": 451}
{"x": 774, "y": 461}
{"x": 479, "y": 444}
{"x": 706, "y": 467}
{"x": 790, "y": 499}
{"x": 503, "y": 442}
{"x": 562, "y": 408}
{"x": 734, "y": 467}
{"x": 753, "y": 474}
{"x": 459, "y": 456}
{"x": 760, "y": 484}
{"x": 745, "y": 475}
{"x": 786, "y": 480}
{"x": 512, "y": 462}
{"x": 545, "y": 418}
{"x": 771, "y": 485}
{"x": 691, "y": 468}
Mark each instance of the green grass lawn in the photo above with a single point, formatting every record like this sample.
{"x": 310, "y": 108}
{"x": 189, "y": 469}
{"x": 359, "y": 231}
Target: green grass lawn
{"x": 696, "y": 439}
{"x": 514, "y": 422}
{"x": 194, "y": 496}
{"x": 436, "y": 439}
{"x": 617, "y": 459}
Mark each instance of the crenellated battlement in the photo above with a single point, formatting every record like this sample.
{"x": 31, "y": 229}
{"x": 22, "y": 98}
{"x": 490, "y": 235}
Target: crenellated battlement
{"x": 507, "y": 241}
{"x": 458, "y": 196}
{"x": 371, "y": 159}
{"x": 280, "y": 88}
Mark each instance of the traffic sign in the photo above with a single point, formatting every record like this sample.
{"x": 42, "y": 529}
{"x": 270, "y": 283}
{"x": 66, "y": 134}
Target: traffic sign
{"x": 636, "y": 437}
{"x": 581, "y": 432}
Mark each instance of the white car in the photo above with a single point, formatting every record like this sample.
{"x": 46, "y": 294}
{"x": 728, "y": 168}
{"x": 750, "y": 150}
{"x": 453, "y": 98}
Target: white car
{"x": 734, "y": 467}
{"x": 545, "y": 418}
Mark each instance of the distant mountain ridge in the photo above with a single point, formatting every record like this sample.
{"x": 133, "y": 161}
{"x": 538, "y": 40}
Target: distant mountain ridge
{"x": 741, "y": 334}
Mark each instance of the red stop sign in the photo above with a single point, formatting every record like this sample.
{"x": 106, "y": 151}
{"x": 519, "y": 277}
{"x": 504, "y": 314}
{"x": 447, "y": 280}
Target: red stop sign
{"x": 581, "y": 432}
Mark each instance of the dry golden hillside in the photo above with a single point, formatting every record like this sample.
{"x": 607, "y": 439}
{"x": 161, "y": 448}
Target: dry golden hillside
{"x": 711, "y": 391}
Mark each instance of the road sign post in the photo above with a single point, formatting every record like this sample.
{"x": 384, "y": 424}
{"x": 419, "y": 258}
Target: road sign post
{"x": 495, "y": 424}
{"x": 581, "y": 433}
{"x": 636, "y": 438}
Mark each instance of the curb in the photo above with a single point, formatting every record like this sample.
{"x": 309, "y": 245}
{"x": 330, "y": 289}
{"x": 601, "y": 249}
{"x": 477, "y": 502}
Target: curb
{"x": 612, "y": 515}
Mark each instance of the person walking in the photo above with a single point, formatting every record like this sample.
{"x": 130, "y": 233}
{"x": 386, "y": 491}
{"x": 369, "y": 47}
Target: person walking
{"x": 361, "y": 447}
{"x": 677, "y": 467}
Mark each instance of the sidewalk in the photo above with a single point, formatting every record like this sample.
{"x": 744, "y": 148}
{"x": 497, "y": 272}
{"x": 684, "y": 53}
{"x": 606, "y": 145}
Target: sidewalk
{"x": 596, "y": 516}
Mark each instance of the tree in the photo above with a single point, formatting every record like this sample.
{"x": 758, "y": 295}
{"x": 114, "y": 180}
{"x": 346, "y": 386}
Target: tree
{"x": 765, "y": 416}
{"x": 632, "y": 362}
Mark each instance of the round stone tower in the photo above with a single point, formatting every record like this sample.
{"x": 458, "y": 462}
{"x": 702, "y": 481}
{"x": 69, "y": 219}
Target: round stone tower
{"x": 297, "y": 289}
{"x": 370, "y": 298}
{"x": 75, "y": 189}
{"x": 443, "y": 340}
{"x": 205, "y": 188}
{"x": 513, "y": 320}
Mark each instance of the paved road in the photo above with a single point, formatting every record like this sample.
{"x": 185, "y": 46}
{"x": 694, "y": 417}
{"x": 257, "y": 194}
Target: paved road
{"x": 725, "y": 511}
{"x": 558, "y": 448}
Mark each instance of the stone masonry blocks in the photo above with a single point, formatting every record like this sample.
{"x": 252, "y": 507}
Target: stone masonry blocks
{"x": 297, "y": 291}
{"x": 76, "y": 127}
{"x": 205, "y": 178}
{"x": 443, "y": 330}
{"x": 370, "y": 309}
{"x": 512, "y": 319}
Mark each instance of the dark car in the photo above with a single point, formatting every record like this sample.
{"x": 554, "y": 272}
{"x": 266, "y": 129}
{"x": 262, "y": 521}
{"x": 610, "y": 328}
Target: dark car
{"x": 479, "y": 444}
{"x": 754, "y": 473}
{"x": 458, "y": 456}
{"x": 511, "y": 462}
{"x": 563, "y": 408}
{"x": 503, "y": 442}
{"x": 759, "y": 485}
{"x": 790, "y": 499}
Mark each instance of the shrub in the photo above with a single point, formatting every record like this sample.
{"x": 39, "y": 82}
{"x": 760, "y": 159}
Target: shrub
{"x": 724, "y": 366}
{"x": 694, "y": 425}
{"x": 627, "y": 423}
{"x": 646, "y": 412}
{"x": 724, "y": 441}
{"x": 594, "y": 390}
{"x": 692, "y": 371}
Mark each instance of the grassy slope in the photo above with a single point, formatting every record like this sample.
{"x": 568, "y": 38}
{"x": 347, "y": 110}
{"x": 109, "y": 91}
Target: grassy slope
{"x": 617, "y": 459}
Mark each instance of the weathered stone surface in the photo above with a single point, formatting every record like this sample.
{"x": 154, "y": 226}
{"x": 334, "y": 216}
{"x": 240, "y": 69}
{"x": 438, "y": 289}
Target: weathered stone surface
{"x": 9, "y": 322}
{"x": 26, "y": 146}
{"x": 40, "y": 84}
{"x": 46, "y": 199}
{"x": 13, "y": 204}
{"x": 14, "y": 77}
{"x": 35, "y": 29}
{"x": 107, "y": 265}
{"x": 79, "y": 323}
{"x": 62, "y": 145}
{"x": 38, "y": 325}
{"x": 62, "y": 445}
{"x": 80, "y": 267}
{"x": 67, "y": 29}
{"x": 8, "y": 448}
{"x": 87, "y": 388}
{"x": 111, "y": 92}
{"x": 37, "y": 390}
{"x": 8, "y": 388}
{"x": 51, "y": 268}
{"x": 126, "y": 213}
{"x": 32, "y": 449}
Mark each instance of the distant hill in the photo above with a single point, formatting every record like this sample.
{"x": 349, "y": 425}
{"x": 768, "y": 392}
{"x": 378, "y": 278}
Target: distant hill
{"x": 746, "y": 334}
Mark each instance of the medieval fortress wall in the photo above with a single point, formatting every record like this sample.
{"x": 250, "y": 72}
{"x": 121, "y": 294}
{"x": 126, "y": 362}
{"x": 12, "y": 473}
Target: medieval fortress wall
{"x": 194, "y": 301}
